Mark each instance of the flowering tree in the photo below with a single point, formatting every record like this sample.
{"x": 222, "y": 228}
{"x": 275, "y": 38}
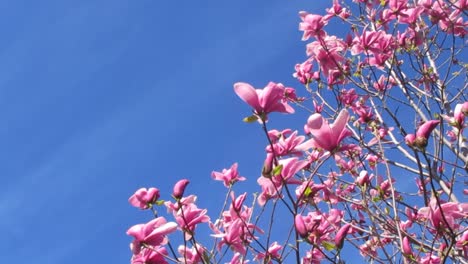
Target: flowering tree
{"x": 380, "y": 166}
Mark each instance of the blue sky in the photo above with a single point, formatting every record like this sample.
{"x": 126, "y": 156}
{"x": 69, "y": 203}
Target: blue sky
{"x": 99, "y": 98}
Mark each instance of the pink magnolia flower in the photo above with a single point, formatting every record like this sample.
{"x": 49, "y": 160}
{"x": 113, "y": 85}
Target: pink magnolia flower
{"x": 174, "y": 207}
{"x": 454, "y": 24}
{"x": 363, "y": 178}
{"x": 284, "y": 143}
{"x": 179, "y": 188}
{"x": 143, "y": 198}
{"x": 364, "y": 112}
{"x": 270, "y": 189}
{"x": 457, "y": 120}
{"x": 461, "y": 110}
{"x": 384, "y": 83}
{"x": 438, "y": 11}
{"x": 410, "y": 139}
{"x": 312, "y": 25}
{"x": 348, "y": 97}
{"x": 152, "y": 233}
{"x": 228, "y": 176}
{"x": 384, "y": 189}
{"x": 290, "y": 95}
{"x": 451, "y": 212}
{"x": 368, "y": 41}
{"x": 290, "y": 167}
{"x": 154, "y": 255}
{"x": 376, "y": 43}
{"x": 341, "y": 235}
{"x": 369, "y": 248}
{"x": 407, "y": 250}
{"x": 425, "y": 129}
{"x": 273, "y": 252}
{"x": 303, "y": 72}
{"x": 326, "y": 136}
{"x": 191, "y": 255}
{"x": 462, "y": 242}
{"x": 300, "y": 226}
{"x": 318, "y": 107}
{"x": 328, "y": 53}
{"x": 265, "y": 101}
{"x": 430, "y": 259}
{"x": 316, "y": 227}
{"x": 380, "y": 136}
{"x": 238, "y": 258}
{"x": 397, "y": 5}
{"x": 234, "y": 227}
{"x": 233, "y": 236}
{"x": 188, "y": 217}
{"x": 373, "y": 160}
{"x": 272, "y": 184}
{"x": 410, "y": 15}
{"x": 268, "y": 165}
{"x": 424, "y": 3}
{"x": 314, "y": 256}
{"x": 306, "y": 193}
{"x": 422, "y": 134}
{"x": 461, "y": 5}
{"x": 237, "y": 202}
{"x": 337, "y": 10}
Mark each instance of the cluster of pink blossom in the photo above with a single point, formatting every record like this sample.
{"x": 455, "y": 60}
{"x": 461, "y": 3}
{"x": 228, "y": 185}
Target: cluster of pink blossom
{"x": 356, "y": 176}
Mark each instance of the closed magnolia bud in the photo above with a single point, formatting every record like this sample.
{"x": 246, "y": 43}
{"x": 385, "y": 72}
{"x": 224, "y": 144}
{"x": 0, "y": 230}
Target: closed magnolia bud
{"x": 268, "y": 166}
{"x": 406, "y": 246}
{"x": 363, "y": 178}
{"x": 464, "y": 108}
{"x": 179, "y": 188}
{"x": 461, "y": 110}
{"x": 424, "y": 131}
{"x": 300, "y": 226}
{"x": 341, "y": 235}
{"x": 409, "y": 139}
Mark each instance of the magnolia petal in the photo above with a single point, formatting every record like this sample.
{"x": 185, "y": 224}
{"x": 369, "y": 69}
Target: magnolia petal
{"x": 248, "y": 94}
{"x": 315, "y": 121}
{"x": 309, "y": 144}
{"x": 340, "y": 122}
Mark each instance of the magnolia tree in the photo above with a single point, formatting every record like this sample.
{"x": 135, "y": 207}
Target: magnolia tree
{"x": 378, "y": 169}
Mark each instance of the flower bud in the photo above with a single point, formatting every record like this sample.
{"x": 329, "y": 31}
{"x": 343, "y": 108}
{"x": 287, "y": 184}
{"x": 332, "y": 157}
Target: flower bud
{"x": 461, "y": 110}
{"x": 300, "y": 226}
{"x": 237, "y": 202}
{"x": 363, "y": 178}
{"x": 179, "y": 188}
{"x": 409, "y": 139}
{"x": 341, "y": 235}
{"x": 268, "y": 166}
{"x": 406, "y": 246}
{"x": 424, "y": 131}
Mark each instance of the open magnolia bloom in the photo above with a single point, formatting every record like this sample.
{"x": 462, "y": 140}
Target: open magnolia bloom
{"x": 446, "y": 213}
{"x": 326, "y": 136}
{"x": 266, "y": 100}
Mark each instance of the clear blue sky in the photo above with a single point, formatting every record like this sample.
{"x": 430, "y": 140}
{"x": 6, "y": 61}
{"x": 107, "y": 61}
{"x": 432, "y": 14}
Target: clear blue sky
{"x": 100, "y": 97}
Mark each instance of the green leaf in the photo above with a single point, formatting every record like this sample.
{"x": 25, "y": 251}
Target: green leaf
{"x": 159, "y": 202}
{"x": 328, "y": 246}
{"x": 307, "y": 191}
{"x": 277, "y": 170}
{"x": 250, "y": 119}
